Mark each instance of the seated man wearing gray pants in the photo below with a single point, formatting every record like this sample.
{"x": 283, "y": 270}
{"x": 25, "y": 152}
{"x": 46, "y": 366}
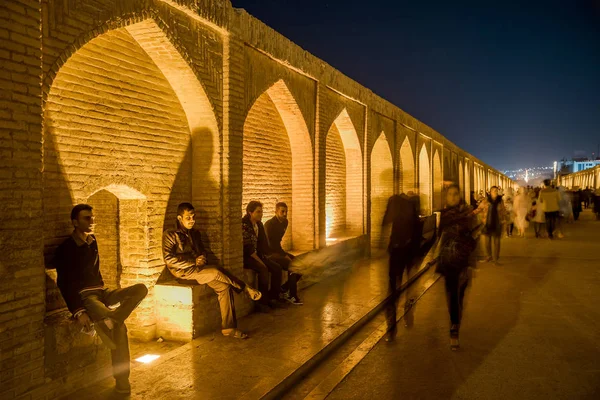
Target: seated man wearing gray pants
{"x": 185, "y": 257}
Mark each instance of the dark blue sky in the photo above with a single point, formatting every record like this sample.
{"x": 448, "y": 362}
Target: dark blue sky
{"x": 517, "y": 84}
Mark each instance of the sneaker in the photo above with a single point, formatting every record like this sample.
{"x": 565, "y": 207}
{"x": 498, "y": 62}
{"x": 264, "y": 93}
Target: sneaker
{"x": 295, "y": 301}
{"x": 123, "y": 386}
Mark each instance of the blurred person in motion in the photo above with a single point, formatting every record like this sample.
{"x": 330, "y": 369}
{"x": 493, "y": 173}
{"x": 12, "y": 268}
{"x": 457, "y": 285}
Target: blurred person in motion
{"x": 597, "y": 203}
{"x": 549, "y": 200}
{"x": 458, "y": 232}
{"x": 521, "y": 207}
{"x": 539, "y": 220}
{"x": 493, "y": 215}
{"x": 402, "y": 215}
{"x": 576, "y": 203}
{"x": 510, "y": 215}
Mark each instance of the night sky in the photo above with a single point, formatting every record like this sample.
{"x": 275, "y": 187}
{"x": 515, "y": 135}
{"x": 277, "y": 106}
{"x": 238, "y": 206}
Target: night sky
{"x": 516, "y": 84}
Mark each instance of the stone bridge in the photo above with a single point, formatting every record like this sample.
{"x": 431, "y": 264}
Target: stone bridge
{"x": 137, "y": 105}
{"x": 587, "y": 178}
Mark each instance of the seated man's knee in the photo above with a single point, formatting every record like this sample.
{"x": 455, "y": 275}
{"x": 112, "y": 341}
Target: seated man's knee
{"x": 140, "y": 290}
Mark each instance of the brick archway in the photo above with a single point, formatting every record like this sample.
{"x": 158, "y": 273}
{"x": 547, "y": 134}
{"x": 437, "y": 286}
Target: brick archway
{"x": 278, "y": 163}
{"x": 407, "y": 167}
{"x": 382, "y": 186}
{"x": 467, "y": 186}
{"x": 438, "y": 182}
{"x": 343, "y": 179}
{"x": 461, "y": 175}
{"x": 126, "y": 109}
{"x": 424, "y": 181}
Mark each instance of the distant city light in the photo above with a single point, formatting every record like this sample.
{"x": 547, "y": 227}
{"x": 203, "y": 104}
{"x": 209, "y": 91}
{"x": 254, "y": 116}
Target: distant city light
{"x": 147, "y": 358}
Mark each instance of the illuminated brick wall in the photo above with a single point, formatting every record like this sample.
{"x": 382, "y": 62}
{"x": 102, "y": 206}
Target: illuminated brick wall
{"x": 147, "y": 101}
{"x": 267, "y": 161}
{"x": 382, "y": 187}
{"x": 335, "y": 184}
{"x": 407, "y": 167}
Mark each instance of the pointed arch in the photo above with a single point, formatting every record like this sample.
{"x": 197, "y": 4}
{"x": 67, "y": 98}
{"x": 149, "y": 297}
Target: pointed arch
{"x": 407, "y": 167}
{"x": 424, "y": 181}
{"x": 461, "y": 176}
{"x": 382, "y": 185}
{"x": 438, "y": 182}
{"x": 278, "y": 163}
{"x": 467, "y": 187}
{"x": 343, "y": 179}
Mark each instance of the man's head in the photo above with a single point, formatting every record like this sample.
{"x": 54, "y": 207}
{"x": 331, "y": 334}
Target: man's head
{"x": 494, "y": 192}
{"x": 82, "y": 218}
{"x": 281, "y": 211}
{"x": 547, "y": 182}
{"x": 186, "y": 215}
{"x": 255, "y": 211}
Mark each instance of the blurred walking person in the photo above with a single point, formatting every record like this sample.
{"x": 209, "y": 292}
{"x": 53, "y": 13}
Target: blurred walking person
{"x": 458, "y": 232}
{"x": 403, "y": 216}
{"x": 549, "y": 200}
{"x": 493, "y": 215}
{"x": 539, "y": 219}
{"x": 510, "y": 213}
{"x": 521, "y": 209}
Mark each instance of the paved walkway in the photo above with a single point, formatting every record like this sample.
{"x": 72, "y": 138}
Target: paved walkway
{"x": 215, "y": 367}
{"x": 531, "y": 330}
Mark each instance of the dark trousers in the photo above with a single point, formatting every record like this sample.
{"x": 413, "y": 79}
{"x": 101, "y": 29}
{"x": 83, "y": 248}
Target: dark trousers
{"x": 509, "y": 229}
{"x": 223, "y": 283}
{"x": 399, "y": 261}
{"x": 492, "y": 246}
{"x": 96, "y": 303}
{"x": 293, "y": 278}
{"x": 551, "y": 218}
{"x": 537, "y": 226}
{"x": 456, "y": 285}
{"x": 263, "y": 271}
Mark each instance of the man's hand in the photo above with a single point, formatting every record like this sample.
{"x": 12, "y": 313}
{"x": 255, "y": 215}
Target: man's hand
{"x": 200, "y": 261}
{"x": 85, "y": 320}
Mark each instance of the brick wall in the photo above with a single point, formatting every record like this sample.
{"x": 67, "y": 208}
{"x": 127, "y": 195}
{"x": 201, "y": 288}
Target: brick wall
{"x": 106, "y": 230}
{"x": 111, "y": 118}
{"x": 407, "y": 167}
{"x": 382, "y": 186}
{"x": 424, "y": 181}
{"x": 438, "y": 182}
{"x": 335, "y": 184}
{"x": 267, "y": 161}
{"x": 21, "y": 263}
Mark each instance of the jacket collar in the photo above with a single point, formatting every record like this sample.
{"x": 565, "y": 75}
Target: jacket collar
{"x": 79, "y": 242}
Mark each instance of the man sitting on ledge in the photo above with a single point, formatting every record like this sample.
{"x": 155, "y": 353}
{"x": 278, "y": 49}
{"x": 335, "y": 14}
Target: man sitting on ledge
{"x": 185, "y": 257}
{"x": 80, "y": 282}
{"x": 275, "y": 229}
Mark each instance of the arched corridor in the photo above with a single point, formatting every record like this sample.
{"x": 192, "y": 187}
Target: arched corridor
{"x": 407, "y": 168}
{"x": 275, "y": 130}
{"x": 382, "y": 186}
{"x": 424, "y": 182}
{"x": 343, "y": 180}
{"x": 438, "y": 183}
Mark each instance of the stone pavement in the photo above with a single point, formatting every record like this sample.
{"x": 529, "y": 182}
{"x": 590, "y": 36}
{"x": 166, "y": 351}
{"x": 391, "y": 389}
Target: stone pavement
{"x": 531, "y": 330}
{"x": 215, "y": 367}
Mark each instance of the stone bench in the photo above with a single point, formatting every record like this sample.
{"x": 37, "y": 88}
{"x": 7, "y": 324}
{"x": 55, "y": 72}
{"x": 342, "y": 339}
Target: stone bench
{"x": 186, "y": 309}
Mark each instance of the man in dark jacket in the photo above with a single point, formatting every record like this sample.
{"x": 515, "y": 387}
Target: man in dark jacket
{"x": 80, "y": 282}
{"x": 257, "y": 252}
{"x": 402, "y": 214}
{"x": 185, "y": 257}
{"x": 275, "y": 229}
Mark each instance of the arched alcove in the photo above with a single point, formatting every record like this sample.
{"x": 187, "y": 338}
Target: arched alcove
{"x": 278, "y": 163}
{"x": 407, "y": 168}
{"x": 438, "y": 183}
{"x": 424, "y": 182}
{"x": 343, "y": 180}
{"x": 382, "y": 186}
{"x": 467, "y": 187}
{"x": 119, "y": 117}
{"x": 461, "y": 176}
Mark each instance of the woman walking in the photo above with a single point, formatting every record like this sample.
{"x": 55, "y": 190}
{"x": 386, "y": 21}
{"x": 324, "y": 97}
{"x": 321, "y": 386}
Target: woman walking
{"x": 458, "y": 225}
{"x": 508, "y": 204}
{"x": 493, "y": 215}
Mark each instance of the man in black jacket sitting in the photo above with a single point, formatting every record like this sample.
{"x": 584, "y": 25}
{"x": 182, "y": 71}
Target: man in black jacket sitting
{"x": 185, "y": 257}
{"x": 80, "y": 282}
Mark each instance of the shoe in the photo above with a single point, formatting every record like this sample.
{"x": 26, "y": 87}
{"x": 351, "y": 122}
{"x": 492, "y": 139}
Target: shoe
{"x": 454, "y": 344}
{"x": 253, "y": 293}
{"x": 485, "y": 260}
{"x": 105, "y": 334}
{"x": 123, "y": 386}
{"x": 294, "y": 300}
{"x": 284, "y": 295}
